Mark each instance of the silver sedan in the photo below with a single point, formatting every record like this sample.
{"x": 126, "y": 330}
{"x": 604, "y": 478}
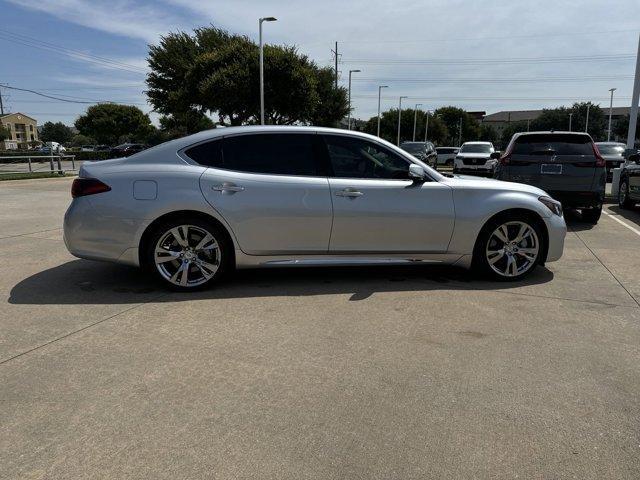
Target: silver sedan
{"x": 192, "y": 209}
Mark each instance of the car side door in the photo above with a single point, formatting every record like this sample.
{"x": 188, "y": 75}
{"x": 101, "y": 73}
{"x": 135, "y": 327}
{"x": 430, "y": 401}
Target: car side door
{"x": 377, "y": 208}
{"x": 270, "y": 189}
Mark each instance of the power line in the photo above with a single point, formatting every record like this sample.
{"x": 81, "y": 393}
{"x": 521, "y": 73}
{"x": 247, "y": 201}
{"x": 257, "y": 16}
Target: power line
{"x": 500, "y": 99}
{"x": 35, "y": 43}
{"x": 66, "y": 100}
{"x": 466, "y": 80}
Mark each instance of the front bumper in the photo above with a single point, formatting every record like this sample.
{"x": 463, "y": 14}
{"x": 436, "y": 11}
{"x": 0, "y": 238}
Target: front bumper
{"x": 557, "y": 230}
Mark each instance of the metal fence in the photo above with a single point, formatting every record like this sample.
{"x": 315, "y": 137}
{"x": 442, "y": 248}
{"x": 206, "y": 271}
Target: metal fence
{"x": 37, "y": 164}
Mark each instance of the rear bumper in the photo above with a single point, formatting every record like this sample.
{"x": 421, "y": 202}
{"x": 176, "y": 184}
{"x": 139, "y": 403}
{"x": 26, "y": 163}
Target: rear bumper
{"x": 578, "y": 199}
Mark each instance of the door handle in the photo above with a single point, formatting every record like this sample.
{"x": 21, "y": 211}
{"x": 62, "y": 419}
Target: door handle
{"x": 227, "y": 187}
{"x": 349, "y": 192}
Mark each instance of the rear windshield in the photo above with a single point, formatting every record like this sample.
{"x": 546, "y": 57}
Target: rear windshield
{"x": 560, "y": 144}
{"x": 476, "y": 148}
{"x": 413, "y": 147}
{"x": 611, "y": 149}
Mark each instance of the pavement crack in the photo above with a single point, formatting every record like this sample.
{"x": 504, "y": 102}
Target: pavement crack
{"x": 86, "y": 327}
{"x": 30, "y": 233}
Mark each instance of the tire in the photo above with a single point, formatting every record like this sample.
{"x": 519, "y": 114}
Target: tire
{"x": 592, "y": 215}
{"x": 623, "y": 195}
{"x": 188, "y": 254}
{"x": 513, "y": 259}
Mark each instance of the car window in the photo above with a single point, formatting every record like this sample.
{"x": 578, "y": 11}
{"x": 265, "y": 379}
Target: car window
{"x": 611, "y": 149}
{"x": 476, "y": 148}
{"x": 360, "y": 158}
{"x": 560, "y": 144}
{"x": 413, "y": 147}
{"x": 208, "y": 154}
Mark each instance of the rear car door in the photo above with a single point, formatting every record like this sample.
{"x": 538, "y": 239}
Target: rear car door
{"x": 377, "y": 208}
{"x": 271, "y": 189}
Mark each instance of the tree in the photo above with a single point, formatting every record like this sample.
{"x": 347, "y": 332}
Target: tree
{"x": 56, "y": 132}
{"x": 4, "y": 133}
{"x": 80, "y": 140}
{"x": 489, "y": 134}
{"x": 558, "y": 119}
{"x": 620, "y": 128}
{"x": 107, "y": 123}
{"x": 451, "y": 116}
{"x": 190, "y": 121}
{"x": 509, "y": 130}
{"x": 389, "y": 126}
{"x": 215, "y": 72}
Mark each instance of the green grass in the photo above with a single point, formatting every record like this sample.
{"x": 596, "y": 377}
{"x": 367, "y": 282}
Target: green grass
{"x": 29, "y": 176}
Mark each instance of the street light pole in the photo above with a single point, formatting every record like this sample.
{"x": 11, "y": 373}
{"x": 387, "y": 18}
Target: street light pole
{"x": 380, "y": 87}
{"x": 586, "y": 122}
{"x": 426, "y": 128}
{"x": 635, "y": 97}
{"x": 415, "y": 118}
{"x": 570, "y": 116}
{"x": 264, "y": 19}
{"x": 610, "y": 112}
{"x": 460, "y": 132}
{"x": 400, "y": 116}
{"x": 349, "y": 117}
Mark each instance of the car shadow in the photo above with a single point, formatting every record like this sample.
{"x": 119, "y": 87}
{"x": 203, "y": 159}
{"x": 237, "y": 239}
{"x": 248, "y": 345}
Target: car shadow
{"x": 630, "y": 214}
{"x": 84, "y": 282}
{"x": 574, "y": 221}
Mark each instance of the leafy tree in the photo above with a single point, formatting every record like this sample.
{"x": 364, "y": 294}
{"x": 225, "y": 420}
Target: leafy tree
{"x": 215, "y": 72}
{"x": 489, "y": 134}
{"x": 56, "y": 132}
{"x": 620, "y": 128}
{"x": 451, "y": 116}
{"x": 558, "y": 119}
{"x": 389, "y": 126}
{"x": 80, "y": 140}
{"x": 4, "y": 133}
{"x": 190, "y": 121}
{"x": 107, "y": 123}
{"x": 508, "y": 132}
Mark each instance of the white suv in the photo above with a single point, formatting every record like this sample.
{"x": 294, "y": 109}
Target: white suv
{"x": 476, "y": 158}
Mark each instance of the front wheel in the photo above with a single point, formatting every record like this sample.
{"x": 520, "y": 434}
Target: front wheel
{"x": 188, "y": 254}
{"x": 623, "y": 195}
{"x": 509, "y": 248}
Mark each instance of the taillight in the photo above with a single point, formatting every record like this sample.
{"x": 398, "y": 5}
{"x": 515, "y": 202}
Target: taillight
{"x": 600, "y": 161}
{"x": 88, "y": 186}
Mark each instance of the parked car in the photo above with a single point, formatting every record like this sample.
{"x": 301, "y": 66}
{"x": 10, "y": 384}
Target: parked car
{"x": 127, "y": 149}
{"x": 424, "y": 151}
{"x": 613, "y": 153}
{"x": 102, "y": 148}
{"x": 446, "y": 155}
{"x": 629, "y": 189}
{"x": 475, "y": 158}
{"x": 88, "y": 148}
{"x": 191, "y": 209}
{"x": 49, "y": 147}
{"x": 567, "y": 165}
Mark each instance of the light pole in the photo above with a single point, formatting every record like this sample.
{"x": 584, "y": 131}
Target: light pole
{"x": 400, "y": 116}
{"x": 380, "y": 87}
{"x": 586, "y": 122}
{"x": 415, "y": 117}
{"x": 610, "y": 112}
{"x": 570, "y": 116}
{"x": 460, "y": 132}
{"x": 426, "y": 128}
{"x": 349, "y": 117}
{"x": 264, "y": 19}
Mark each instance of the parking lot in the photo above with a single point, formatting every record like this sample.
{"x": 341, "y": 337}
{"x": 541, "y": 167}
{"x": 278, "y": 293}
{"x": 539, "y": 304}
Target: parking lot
{"x": 422, "y": 372}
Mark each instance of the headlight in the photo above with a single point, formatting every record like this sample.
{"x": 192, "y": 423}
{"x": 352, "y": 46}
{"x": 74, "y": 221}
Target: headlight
{"x": 553, "y": 205}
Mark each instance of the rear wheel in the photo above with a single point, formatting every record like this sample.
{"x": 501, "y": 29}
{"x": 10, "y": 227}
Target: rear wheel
{"x": 188, "y": 254}
{"x": 592, "y": 215}
{"x": 509, "y": 247}
{"x": 623, "y": 195}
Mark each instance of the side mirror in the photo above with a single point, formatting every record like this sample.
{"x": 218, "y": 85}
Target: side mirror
{"x": 495, "y": 155}
{"x": 634, "y": 158}
{"x": 417, "y": 173}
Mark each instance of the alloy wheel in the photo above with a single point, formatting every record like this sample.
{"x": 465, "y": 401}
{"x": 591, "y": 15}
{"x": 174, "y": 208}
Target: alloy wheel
{"x": 512, "y": 249}
{"x": 623, "y": 193}
{"x": 187, "y": 255}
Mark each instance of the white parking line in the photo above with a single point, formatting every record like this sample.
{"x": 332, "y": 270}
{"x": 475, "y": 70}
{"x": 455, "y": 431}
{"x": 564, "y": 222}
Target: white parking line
{"x": 613, "y": 217}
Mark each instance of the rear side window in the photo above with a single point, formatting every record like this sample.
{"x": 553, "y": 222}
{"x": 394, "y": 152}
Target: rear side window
{"x": 560, "y": 144}
{"x": 279, "y": 154}
{"x": 208, "y": 154}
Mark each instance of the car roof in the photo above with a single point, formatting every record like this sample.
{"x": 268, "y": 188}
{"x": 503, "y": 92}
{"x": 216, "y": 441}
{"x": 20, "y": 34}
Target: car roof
{"x": 617, "y": 144}
{"x": 477, "y": 143}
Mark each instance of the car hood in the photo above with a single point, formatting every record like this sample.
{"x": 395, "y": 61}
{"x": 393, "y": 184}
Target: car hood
{"x": 467, "y": 181}
{"x": 474, "y": 155}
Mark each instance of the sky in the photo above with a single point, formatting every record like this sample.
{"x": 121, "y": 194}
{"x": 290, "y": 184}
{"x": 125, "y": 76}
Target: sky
{"x": 487, "y": 55}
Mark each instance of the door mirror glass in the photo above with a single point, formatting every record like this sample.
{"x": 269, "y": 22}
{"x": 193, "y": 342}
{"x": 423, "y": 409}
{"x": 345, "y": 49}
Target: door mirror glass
{"x": 495, "y": 155}
{"x": 416, "y": 172}
{"x": 634, "y": 158}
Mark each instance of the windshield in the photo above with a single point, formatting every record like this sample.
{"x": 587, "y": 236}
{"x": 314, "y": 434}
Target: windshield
{"x": 476, "y": 148}
{"x": 413, "y": 147}
{"x": 611, "y": 149}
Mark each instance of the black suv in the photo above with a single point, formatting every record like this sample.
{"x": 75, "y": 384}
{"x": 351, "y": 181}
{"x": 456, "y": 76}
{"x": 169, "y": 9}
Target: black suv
{"x": 629, "y": 189}
{"x": 567, "y": 165}
{"x": 424, "y": 151}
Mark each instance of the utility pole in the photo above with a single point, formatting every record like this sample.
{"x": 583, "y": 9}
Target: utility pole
{"x": 1, "y": 105}
{"x": 349, "y": 117}
{"x": 460, "y": 132}
{"x": 380, "y": 87}
{"x": 264, "y": 19}
{"x": 415, "y": 118}
{"x": 570, "y": 116}
{"x": 586, "y": 122}
{"x": 635, "y": 97}
{"x": 426, "y": 128}
{"x": 610, "y": 113}
{"x": 335, "y": 53}
{"x": 528, "y": 123}
{"x": 400, "y": 116}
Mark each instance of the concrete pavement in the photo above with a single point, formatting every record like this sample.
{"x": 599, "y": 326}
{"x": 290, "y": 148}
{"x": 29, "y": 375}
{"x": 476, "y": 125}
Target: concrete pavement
{"x": 331, "y": 373}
